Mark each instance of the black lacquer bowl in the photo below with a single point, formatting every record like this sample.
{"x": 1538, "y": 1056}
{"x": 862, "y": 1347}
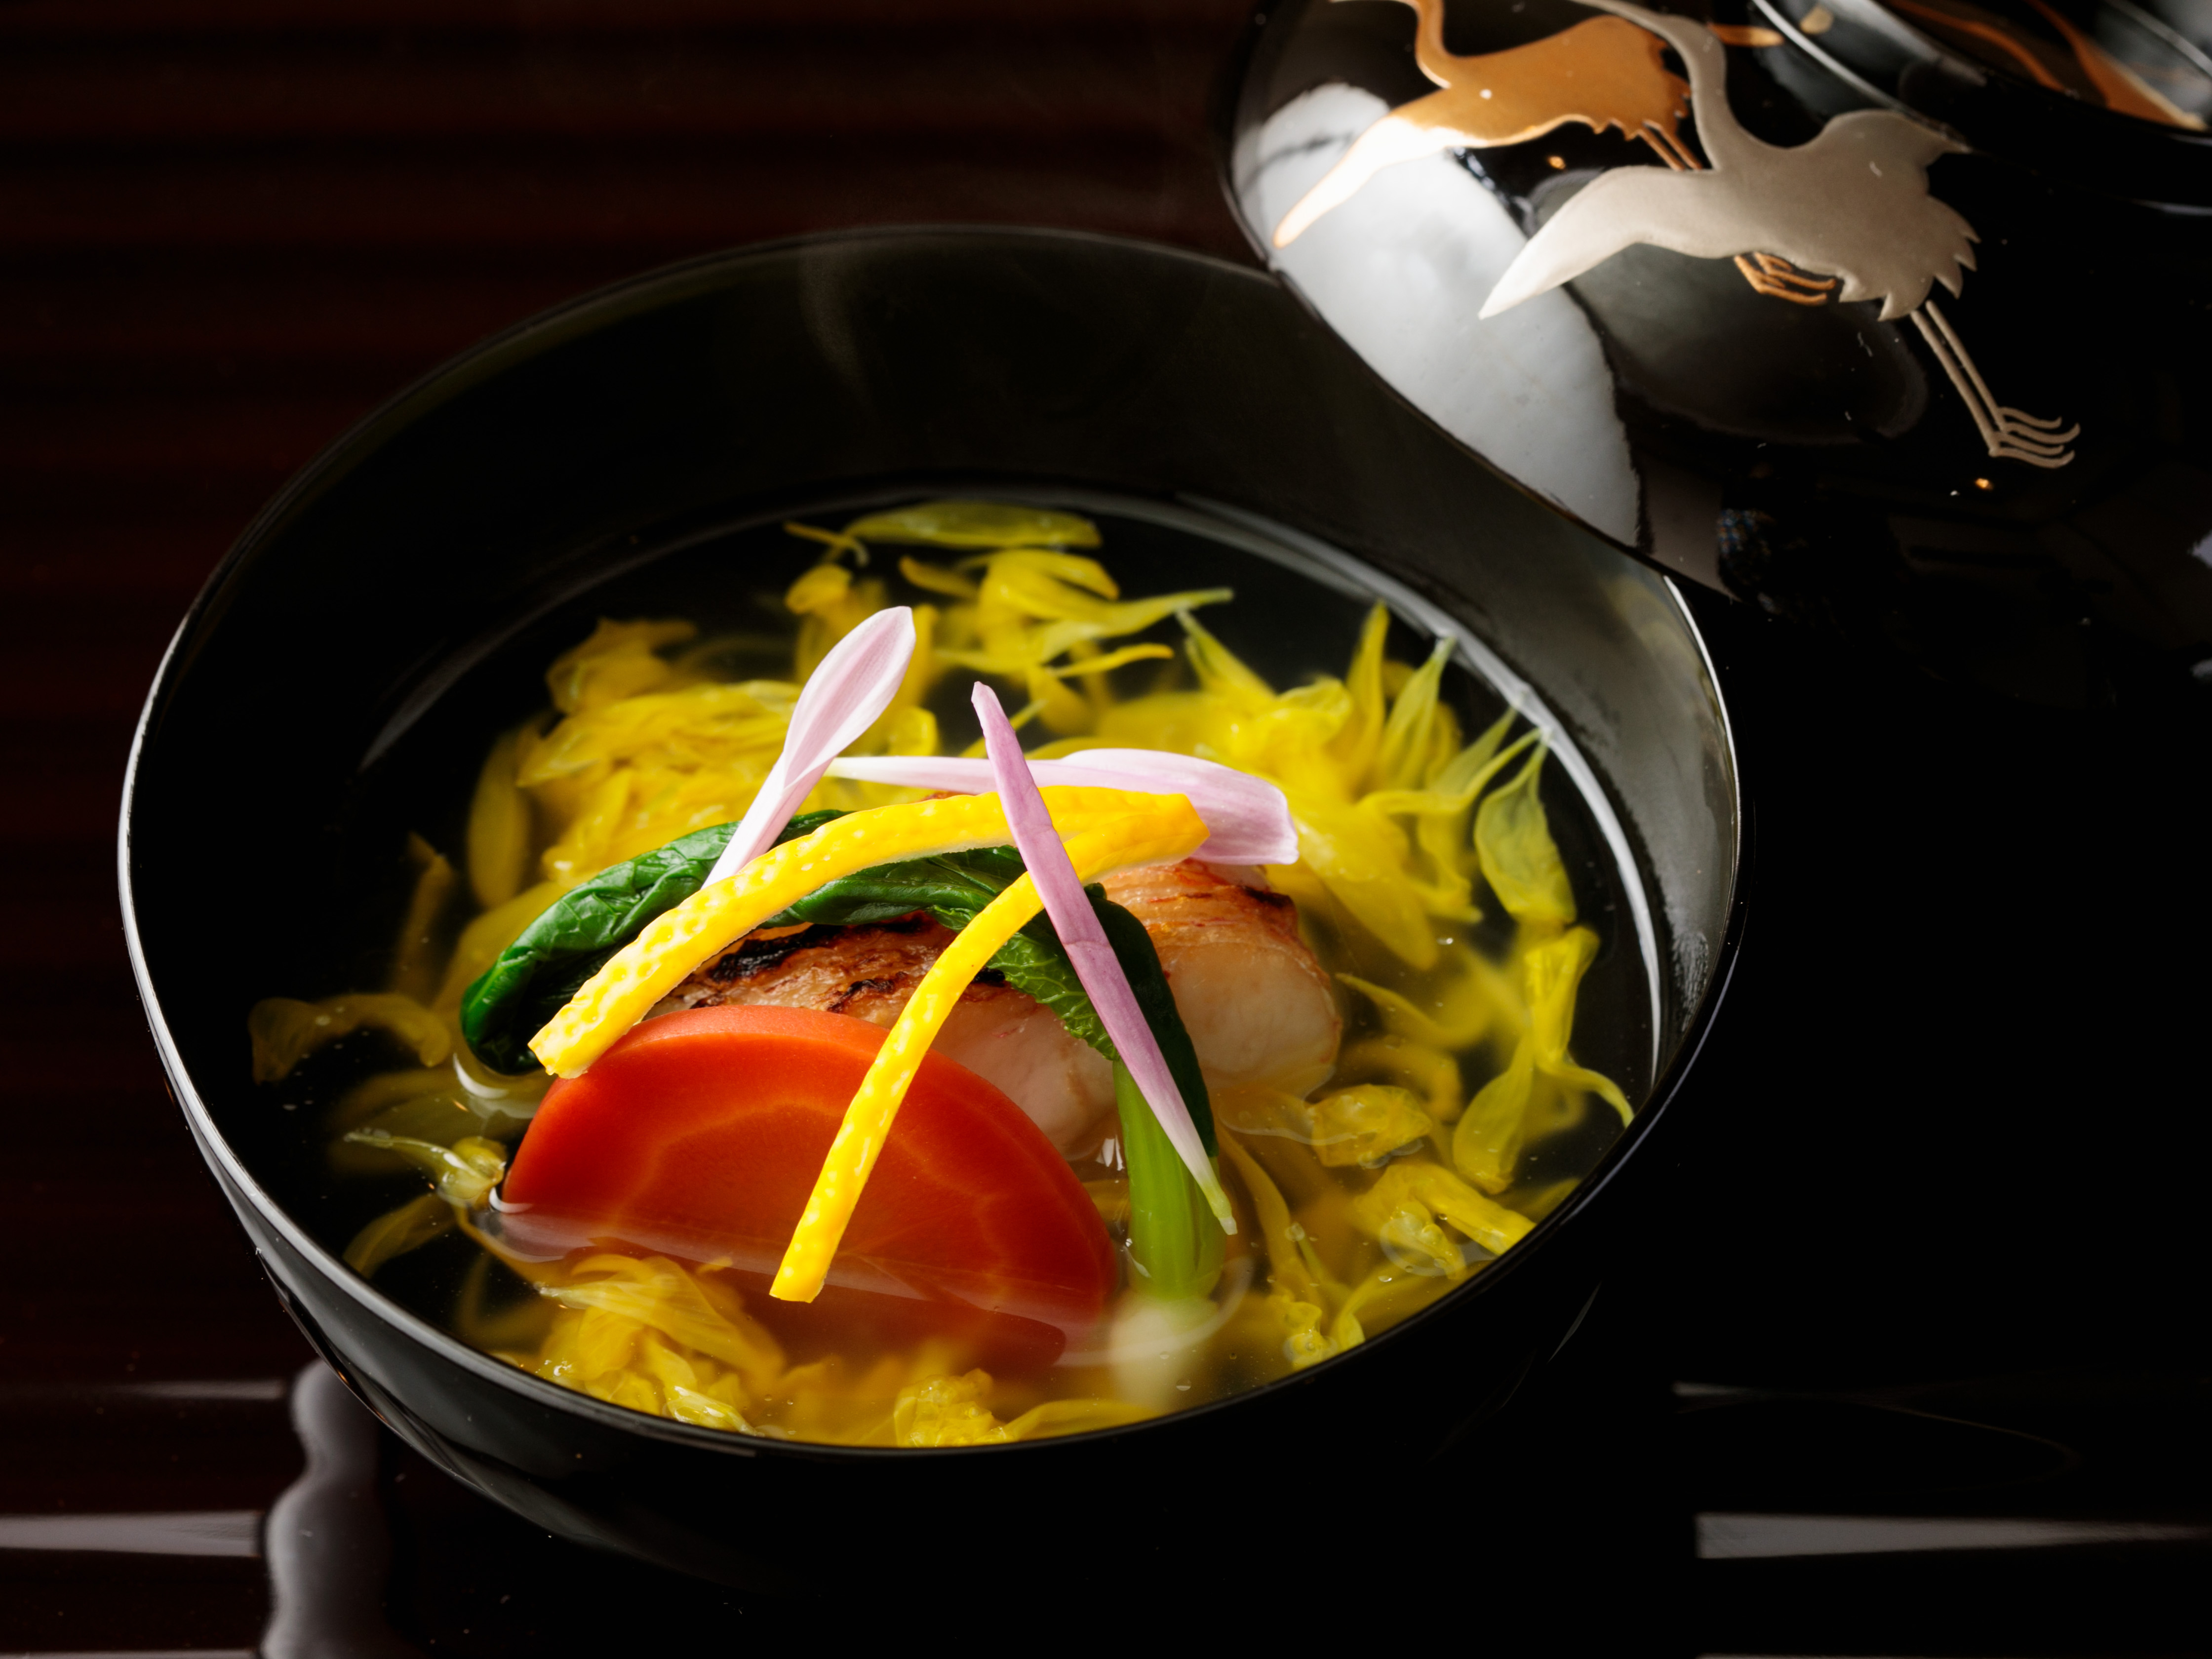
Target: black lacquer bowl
{"x": 741, "y": 389}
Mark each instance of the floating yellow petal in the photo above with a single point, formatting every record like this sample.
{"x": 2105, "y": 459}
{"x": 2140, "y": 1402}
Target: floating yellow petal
{"x": 463, "y": 1173}
{"x": 1366, "y": 1123}
{"x": 1513, "y": 839}
{"x": 968, "y": 524}
{"x": 414, "y": 953}
{"x": 499, "y": 825}
{"x": 1487, "y": 1142}
{"x": 619, "y": 660}
{"x": 956, "y": 1411}
{"x": 285, "y": 1031}
{"x": 1555, "y": 973}
{"x": 409, "y": 1227}
{"x": 1432, "y": 1187}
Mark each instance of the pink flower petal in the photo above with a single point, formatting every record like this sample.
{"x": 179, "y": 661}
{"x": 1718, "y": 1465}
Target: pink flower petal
{"x": 1038, "y": 842}
{"x": 842, "y": 698}
{"x": 1250, "y": 819}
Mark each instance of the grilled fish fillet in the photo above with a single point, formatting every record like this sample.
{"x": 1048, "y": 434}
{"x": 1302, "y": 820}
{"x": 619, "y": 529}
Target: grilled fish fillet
{"x": 1255, "y": 1002}
{"x": 1258, "y": 1008}
{"x": 1005, "y": 1036}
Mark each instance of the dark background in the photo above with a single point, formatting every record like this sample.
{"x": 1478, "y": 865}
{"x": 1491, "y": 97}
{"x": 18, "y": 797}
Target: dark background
{"x": 1945, "y": 1167}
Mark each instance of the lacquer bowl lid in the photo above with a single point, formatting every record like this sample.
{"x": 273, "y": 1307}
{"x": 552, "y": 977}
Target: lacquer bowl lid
{"x": 1804, "y": 301}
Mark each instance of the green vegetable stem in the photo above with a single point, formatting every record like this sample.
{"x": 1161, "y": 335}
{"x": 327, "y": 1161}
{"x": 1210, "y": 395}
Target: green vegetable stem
{"x": 1173, "y": 1240}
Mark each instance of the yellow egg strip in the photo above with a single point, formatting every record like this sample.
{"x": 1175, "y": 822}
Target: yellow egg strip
{"x": 1167, "y": 829}
{"x": 682, "y": 939}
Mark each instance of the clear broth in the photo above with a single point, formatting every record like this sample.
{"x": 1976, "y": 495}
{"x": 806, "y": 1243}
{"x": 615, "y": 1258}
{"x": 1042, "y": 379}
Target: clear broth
{"x": 1292, "y": 619}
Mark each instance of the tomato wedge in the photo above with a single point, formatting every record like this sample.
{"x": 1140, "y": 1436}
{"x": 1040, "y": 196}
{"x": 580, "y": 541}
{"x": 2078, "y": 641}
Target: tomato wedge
{"x": 699, "y": 1135}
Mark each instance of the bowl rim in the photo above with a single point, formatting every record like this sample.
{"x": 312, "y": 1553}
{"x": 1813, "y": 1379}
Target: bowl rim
{"x": 491, "y": 354}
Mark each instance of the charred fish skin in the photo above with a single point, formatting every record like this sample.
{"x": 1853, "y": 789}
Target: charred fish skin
{"x": 867, "y": 971}
{"x": 757, "y": 952}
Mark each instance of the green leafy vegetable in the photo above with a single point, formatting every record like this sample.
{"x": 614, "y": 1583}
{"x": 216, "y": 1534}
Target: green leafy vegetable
{"x": 572, "y": 938}
{"x": 1141, "y": 963}
{"x": 1035, "y": 965}
{"x": 959, "y": 884}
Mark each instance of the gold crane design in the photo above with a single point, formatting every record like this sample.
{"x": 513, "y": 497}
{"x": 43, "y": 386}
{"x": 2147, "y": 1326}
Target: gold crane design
{"x": 1602, "y": 73}
{"x": 1846, "y": 215}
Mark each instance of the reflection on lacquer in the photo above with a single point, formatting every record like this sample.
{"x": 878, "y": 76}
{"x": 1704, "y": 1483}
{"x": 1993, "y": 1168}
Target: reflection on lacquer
{"x": 1847, "y": 216}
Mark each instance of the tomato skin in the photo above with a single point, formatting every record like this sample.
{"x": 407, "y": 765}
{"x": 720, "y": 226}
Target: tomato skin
{"x": 700, "y": 1135}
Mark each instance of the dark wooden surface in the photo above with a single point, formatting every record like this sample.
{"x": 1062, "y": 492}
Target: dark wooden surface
{"x": 1953, "y": 1159}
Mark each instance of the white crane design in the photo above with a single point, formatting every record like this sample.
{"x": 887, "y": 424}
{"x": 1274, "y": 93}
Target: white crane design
{"x": 1603, "y": 72}
{"x": 1852, "y": 204}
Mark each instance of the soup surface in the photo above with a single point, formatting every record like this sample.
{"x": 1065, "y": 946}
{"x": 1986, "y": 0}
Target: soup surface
{"x": 1404, "y": 1048}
